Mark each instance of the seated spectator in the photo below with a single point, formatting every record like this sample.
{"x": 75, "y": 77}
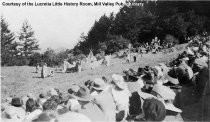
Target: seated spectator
{"x": 32, "y": 109}
{"x": 167, "y": 96}
{"x": 184, "y": 74}
{"x": 88, "y": 107}
{"x": 154, "y": 110}
{"x": 104, "y": 99}
{"x": 121, "y": 96}
{"x": 14, "y": 113}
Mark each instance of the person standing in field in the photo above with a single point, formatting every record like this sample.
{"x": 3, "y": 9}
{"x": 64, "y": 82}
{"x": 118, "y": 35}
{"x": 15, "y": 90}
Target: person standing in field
{"x": 128, "y": 58}
{"x": 44, "y": 71}
{"x": 37, "y": 68}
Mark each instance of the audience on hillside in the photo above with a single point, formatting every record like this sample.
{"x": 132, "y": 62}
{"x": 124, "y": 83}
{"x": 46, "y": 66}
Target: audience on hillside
{"x": 152, "y": 93}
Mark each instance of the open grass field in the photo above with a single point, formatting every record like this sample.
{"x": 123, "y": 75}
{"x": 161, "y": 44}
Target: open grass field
{"x": 20, "y": 80}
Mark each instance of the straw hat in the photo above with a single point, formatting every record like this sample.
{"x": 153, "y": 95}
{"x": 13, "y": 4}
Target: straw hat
{"x": 119, "y": 81}
{"x": 145, "y": 95}
{"x": 201, "y": 63}
{"x": 164, "y": 68}
{"x": 171, "y": 107}
{"x": 82, "y": 94}
{"x": 165, "y": 92}
{"x": 11, "y": 111}
{"x": 98, "y": 84}
{"x": 15, "y": 112}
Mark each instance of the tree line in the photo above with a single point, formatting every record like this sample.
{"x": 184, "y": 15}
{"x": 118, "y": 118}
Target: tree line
{"x": 17, "y": 49}
{"x": 23, "y": 48}
{"x": 166, "y": 20}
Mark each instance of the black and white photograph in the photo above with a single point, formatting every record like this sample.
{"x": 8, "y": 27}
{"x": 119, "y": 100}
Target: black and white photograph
{"x": 105, "y": 60}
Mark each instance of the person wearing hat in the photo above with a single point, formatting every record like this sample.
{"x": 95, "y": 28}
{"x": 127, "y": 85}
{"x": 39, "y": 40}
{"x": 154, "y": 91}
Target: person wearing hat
{"x": 137, "y": 98}
{"x": 32, "y": 109}
{"x": 140, "y": 71}
{"x": 171, "y": 77}
{"x": 42, "y": 99}
{"x": 198, "y": 65}
{"x": 104, "y": 99}
{"x": 167, "y": 96}
{"x": 154, "y": 110}
{"x": 149, "y": 81}
{"x": 88, "y": 106}
{"x": 52, "y": 92}
{"x": 184, "y": 73}
{"x": 13, "y": 113}
{"x": 121, "y": 96}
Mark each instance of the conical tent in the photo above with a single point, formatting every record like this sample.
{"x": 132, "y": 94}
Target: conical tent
{"x": 91, "y": 62}
{"x": 90, "y": 56}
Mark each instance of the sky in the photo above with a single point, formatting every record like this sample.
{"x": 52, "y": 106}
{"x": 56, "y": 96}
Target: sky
{"x": 56, "y": 26}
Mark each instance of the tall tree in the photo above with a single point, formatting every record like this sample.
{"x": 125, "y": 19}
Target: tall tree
{"x": 8, "y": 44}
{"x": 28, "y": 42}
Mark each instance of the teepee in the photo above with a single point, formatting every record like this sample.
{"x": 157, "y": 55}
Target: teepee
{"x": 91, "y": 62}
{"x": 91, "y": 57}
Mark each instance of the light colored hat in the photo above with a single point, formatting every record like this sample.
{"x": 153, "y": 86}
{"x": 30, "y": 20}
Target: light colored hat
{"x": 140, "y": 82}
{"x": 145, "y": 95}
{"x": 164, "y": 68}
{"x": 186, "y": 59}
{"x": 98, "y": 84}
{"x": 165, "y": 92}
{"x": 201, "y": 63}
{"x": 42, "y": 100}
{"x": 52, "y": 92}
{"x": 119, "y": 81}
{"x": 189, "y": 51}
{"x": 32, "y": 96}
{"x": 159, "y": 69}
{"x": 15, "y": 112}
{"x": 171, "y": 107}
{"x": 195, "y": 49}
{"x": 11, "y": 111}
{"x": 83, "y": 94}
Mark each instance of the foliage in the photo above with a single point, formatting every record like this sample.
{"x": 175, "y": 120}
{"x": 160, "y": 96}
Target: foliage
{"x": 28, "y": 43}
{"x": 170, "y": 39}
{"x": 35, "y": 59}
{"x": 140, "y": 24}
{"x": 8, "y": 45}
